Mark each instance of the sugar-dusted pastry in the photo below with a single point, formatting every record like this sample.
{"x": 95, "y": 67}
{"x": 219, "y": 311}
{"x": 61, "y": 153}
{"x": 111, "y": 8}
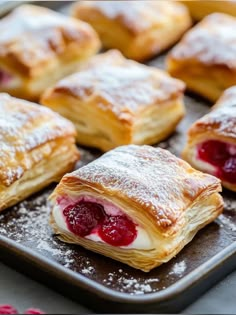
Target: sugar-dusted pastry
{"x": 205, "y": 57}
{"x": 136, "y": 204}
{"x": 114, "y": 101}
{"x": 200, "y": 8}
{"x": 37, "y": 147}
{"x": 139, "y": 29}
{"x": 38, "y": 47}
{"x": 211, "y": 145}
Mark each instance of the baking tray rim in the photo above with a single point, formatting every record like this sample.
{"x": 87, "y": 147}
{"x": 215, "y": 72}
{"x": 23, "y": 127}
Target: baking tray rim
{"x": 100, "y": 290}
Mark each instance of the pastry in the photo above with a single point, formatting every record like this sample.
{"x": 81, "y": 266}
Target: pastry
{"x": 136, "y": 204}
{"x": 37, "y": 147}
{"x": 205, "y": 57}
{"x": 38, "y": 47}
{"x": 139, "y": 29}
{"x": 211, "y": 143}
{"x": 114, "y": 101}
{"x": 200, "y": 8}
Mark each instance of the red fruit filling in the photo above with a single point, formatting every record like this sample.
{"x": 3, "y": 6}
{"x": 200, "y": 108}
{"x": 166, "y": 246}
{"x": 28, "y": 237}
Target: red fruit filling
{"x": 4, "y": 77}
{"x": 7, "y": 309}
{"x": 84, "y": 218}
{"x": 222, "y": 156}
{"x": 118, "y": 231}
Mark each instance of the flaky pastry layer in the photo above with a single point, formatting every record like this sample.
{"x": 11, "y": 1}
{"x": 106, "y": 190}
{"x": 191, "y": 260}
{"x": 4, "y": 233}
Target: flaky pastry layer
{"x": 33, "y": 139}
{"x": 114, "y": 101}
{"x": 144, "y": 29}
{"x": 39, "y": 46}
{"x": 161, "y": 193}
{"x": 205, "y": 58}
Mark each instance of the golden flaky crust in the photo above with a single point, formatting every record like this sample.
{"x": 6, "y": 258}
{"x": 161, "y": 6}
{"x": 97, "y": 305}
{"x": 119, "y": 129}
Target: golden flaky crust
{"x": 39, "y": 46}
{"x": 120, "y": 95}
{"x": 171, "y": 200}
{"x": 32, "y": 138}
{"x": 201, "y": 8}
{"x": 205, "y": 57}
{"x": 219, "y": 124}
{"x": 142, "y": 28}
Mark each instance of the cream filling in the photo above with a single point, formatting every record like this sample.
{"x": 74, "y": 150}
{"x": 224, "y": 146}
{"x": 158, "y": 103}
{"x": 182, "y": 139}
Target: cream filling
{"x": 142, "y": 241}
{"x": 203, "y": 165}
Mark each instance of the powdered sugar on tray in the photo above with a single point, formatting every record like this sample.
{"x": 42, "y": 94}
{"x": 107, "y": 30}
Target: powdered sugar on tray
{"x": 31, "y": 226}
{"x": 130, "y": 284}
{"x": 179, "y": 268}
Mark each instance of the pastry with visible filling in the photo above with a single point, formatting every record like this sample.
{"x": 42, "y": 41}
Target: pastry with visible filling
{"x": 200, "y": 8}
{"x": 114, "y": 101}
{"x": 139, "y": 29}
{"x": 37, "y": 148}
{"x": 136, "y": 204}
{"x": 205, "y": 57}
{"x": 211, "y": 143}
{"x": 38, "y": 47}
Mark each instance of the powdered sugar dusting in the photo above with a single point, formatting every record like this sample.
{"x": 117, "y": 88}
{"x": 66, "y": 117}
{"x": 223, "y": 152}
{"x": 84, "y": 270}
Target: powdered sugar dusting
{"x": 179, "y": 268}
{"x": 129, "y": 283}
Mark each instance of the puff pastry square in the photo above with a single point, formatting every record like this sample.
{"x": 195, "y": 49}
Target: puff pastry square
{"x": 205, "y": 57}
{"x": 211, "y": 143}
{"x": 201, "y": 8}
{"x": 137, "y": 204}
{"x": 38, "y": 47}
{"x": 37, "y": 147}
{"x": 139, "y": 29}
{"x": 114, "y": 101}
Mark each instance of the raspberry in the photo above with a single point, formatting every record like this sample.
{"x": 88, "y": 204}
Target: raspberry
{"x": 214, "y": 152}
{"x": 7, "y": 309}
{"x": 83, "y": 217}
{"x": 33, "y": 311}
{"x": 117, "y": 231}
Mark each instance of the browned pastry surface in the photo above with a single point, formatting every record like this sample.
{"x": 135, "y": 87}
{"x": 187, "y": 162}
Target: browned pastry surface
{"x": 115, "y": 101}
{"x": 142, "y": 28}
{"x": 212, "y": 42}
{"x": 33, "y": 36}
{"x": 32, "y": 139}
{"x": 222, "y": 119}
{"x": 205, "y": 57}
{"x": 120, "y": 85}
{"x": 201, "y": 8}
{"x": 151, "y": 178}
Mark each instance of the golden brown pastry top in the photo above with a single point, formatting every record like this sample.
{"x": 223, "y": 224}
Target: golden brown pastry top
{"x": 212, "y": 42}
{"x": 24, "y": 127}
{"x": 221, "y": 119}
{"x": 119, "y": 85}
{"x": 152, "y": 178}
{"x": 135, "y": 16}
{"x": 32, "y": 36}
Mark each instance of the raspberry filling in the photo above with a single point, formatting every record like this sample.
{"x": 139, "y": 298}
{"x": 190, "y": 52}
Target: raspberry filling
{"x": 85, "y": 218}
{"x": 5, "y": 77}
{"x": 222, "y": 156}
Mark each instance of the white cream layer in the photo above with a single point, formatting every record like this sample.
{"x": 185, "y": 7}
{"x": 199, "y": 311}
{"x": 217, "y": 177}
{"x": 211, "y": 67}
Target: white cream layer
{"x": 142, "y": 241}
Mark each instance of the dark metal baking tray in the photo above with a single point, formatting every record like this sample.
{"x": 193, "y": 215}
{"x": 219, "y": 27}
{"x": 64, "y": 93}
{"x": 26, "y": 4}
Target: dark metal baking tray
{"x": 104, "y": 285}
